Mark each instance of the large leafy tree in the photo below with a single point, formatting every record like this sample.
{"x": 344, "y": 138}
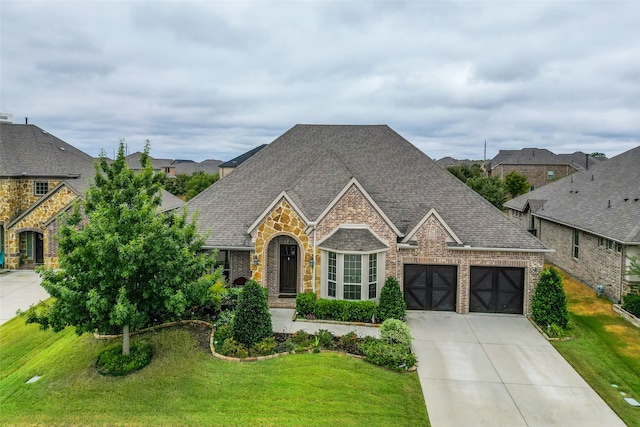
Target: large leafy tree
{"x": 516, "y": 183}
{"x": 188, "y": 186}
{"x": 491, "y": 188}
{"x": 463, "y": 171}
{"x": 122, "y": 264}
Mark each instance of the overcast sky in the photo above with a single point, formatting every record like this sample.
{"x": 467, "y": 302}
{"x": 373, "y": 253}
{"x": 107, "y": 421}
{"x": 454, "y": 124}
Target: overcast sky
{"x": 212, "y": 79}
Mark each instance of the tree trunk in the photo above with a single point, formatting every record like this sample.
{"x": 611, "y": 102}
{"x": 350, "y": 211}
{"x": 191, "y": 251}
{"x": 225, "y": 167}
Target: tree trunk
{"x": 125, "y": 340}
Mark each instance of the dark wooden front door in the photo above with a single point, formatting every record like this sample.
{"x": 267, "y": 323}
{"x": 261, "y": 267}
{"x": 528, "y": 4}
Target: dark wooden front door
{"x": 430, "y": 287}
{"x": 497, "y": 290}
{"x": 288, "y": 269}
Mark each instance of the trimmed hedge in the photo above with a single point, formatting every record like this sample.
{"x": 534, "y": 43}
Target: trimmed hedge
{"x": 252, "y": 321}
{"x": 392, "y": 356}
{"x": 306, "y": 303}
{"x": 344, "y": 310}
{"x": 549, "y": 302}
{"x": 631, "y": 304}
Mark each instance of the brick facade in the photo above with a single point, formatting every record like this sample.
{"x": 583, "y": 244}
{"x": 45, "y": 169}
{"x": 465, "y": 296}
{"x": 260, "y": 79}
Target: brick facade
{"x": 537, "y": 175}
{"x": 597, "y": 261}
{"x": 283, "y": 226}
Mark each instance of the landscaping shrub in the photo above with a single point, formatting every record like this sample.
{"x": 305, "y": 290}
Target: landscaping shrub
{"x": 221, "y": 334}
{"x": 306, "y": 303}
{"x": 112, "y": 361}
{"x": 205, "y": 294}
{"x": 233, "y": 348}
{"x": 325, "y": 338}
{"x": 302, "y": 338}
{"x": 394, "y": 331}
{"x": 252, "y": 321}
{"x": 350, "y": 343}
{"x": 286, "y": 346}
{"x": 224, "y": 318}
{"x": 391, "y": 305}
{"x": 549, "y": 302}
{"x": 631, "y": 303}
{"x": 361, "y": 311}
{"x": 264, "y": 347}
{"x": 344, "y": 310}
{"x": 393, "y": 356}
{"x": 230, "y": 298}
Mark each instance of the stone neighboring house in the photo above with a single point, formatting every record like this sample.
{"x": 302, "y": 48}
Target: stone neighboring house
{"x": 592, "y": 220}
{"x": 540, "y": 166}
{"x": 229, "y": 166}
{"x": 40, "y": 177}
{"x": 336, "y": 209}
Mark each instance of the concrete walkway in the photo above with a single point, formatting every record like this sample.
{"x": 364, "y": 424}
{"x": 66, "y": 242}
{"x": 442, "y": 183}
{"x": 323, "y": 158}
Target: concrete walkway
{"x": 498, "y": 370}
{"x": 18, "y": 291}
{"x": 281, "y": 318}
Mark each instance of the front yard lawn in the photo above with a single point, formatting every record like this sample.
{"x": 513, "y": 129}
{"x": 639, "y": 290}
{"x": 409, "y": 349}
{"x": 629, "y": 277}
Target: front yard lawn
{"x": 605, "y": 351}
{"x": 185, "y": 386}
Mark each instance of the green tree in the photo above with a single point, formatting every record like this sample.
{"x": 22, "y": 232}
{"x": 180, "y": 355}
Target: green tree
{"x": 199, "y": 182}
{"x": 463, "y": 172}
{"x": 122, "y": 265}
{"x": 176, "y": 185}
{"x": 634, "y": 266}
{"x": 516, "y": 183}
{"x": 252, "y": 320}
{"x": 392, "y": 304}
{"x": 492, "y": 189}
{"x": 549, "y": 302}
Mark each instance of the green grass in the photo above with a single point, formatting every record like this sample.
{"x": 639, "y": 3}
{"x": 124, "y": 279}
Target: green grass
{"x": 185, "y": 386}
{"x": 605, "y": 349}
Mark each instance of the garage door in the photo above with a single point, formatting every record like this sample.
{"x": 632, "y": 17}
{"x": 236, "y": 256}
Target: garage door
{"x": 497, "y": 290}
{"x": 430, "y": 287}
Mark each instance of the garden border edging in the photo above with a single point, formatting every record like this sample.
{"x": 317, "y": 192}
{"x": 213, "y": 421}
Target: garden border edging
{"x": 626, "y": 315}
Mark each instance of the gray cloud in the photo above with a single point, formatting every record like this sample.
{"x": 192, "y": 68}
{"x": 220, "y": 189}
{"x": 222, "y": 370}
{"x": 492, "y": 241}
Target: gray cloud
{"x": 213, "y": 79}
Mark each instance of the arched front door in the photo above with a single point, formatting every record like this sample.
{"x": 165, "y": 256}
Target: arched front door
{"x": 288, "y": 269}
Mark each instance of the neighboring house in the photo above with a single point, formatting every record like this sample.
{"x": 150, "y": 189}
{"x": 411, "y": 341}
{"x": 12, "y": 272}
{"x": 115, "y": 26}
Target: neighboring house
{"x": 171, "y": 168}
{"x": 227, "y": 167}
{"x": 540, "y": 166}
{"x": 336, "y": 209}
{"x": 40, "y": 177}
{"x": 592, "y": 220}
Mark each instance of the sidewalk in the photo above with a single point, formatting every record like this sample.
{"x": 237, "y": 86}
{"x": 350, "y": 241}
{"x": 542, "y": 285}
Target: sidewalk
{"x": 282, "y": 320}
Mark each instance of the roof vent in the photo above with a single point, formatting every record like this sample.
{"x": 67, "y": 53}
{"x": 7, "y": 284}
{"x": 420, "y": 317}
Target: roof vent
{"x": 626, "y": 199}
{"x": 609, "y": 203}
{"x": 62, "y": 148}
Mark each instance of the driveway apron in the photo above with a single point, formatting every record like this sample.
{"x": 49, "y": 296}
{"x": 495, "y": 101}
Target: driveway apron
{"x": 498, "y": 370}
{"x": 18, "y": 291}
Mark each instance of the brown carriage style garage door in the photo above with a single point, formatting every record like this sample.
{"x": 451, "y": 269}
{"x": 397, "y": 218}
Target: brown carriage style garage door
{"x": 497, "y": 290}
{"x": 430, "y": 287}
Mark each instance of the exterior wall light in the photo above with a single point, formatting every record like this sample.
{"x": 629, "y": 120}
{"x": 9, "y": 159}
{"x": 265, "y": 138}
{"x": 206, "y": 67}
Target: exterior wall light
{"x": 255, "y": 260}
{"x": 311, "y": 263}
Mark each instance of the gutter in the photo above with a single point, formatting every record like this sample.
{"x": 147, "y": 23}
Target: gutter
{"x": 483, "y": 249}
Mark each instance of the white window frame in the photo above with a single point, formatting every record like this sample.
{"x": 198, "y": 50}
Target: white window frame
{"x": 575, "y": 246}
{"x": 364, "y": 274}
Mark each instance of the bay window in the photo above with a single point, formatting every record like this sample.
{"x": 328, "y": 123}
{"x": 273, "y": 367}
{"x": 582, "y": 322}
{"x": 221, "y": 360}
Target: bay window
{"x": 351, "y": 276}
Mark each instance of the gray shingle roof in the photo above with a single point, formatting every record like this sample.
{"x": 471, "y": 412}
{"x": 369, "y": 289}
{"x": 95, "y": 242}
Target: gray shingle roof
{"x": 538, "y": 156}
{"x": 313, "y": 163}
{"x": 582, "y": 199}
{"x": 353, "y": 239}
{"x": 30, "y": 151}
{"x": 237, "y": 161}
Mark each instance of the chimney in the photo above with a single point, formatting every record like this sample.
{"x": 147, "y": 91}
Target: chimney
{"x": 26, "y": 120}
{"x": 587, "y": 156}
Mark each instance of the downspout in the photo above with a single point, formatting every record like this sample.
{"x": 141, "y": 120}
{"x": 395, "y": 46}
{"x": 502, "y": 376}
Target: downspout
{"x": 313, "y": 256}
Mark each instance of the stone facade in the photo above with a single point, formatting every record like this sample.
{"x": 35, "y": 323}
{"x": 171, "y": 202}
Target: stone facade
{"x": 45, "y": 208}
{"x": 283, "y": 220}
{"x": 537, "y": 175}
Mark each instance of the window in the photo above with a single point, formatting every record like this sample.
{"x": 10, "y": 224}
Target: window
{"x": 352, "y": 277}
{"x": 576, "y": 243}
{"x": 41, "y": 188}
{"x": 601, "y": 241}
{"x": 609, "y": 244}
{"x": 373, "y": 275}
{"x": 331, "y": 274}
{"x": 550, "y": 174}
{"x": 618, "y": 247}
{"x": 222, "y": 259}
{"x": 531, "y": 188}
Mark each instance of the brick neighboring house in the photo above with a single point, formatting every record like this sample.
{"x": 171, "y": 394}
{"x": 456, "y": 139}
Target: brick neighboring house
{"x": 592, "y": 220}
{"x": 41, "y": 176}
{"x": 336, "y": 209}
{"x": 540, "y": 166}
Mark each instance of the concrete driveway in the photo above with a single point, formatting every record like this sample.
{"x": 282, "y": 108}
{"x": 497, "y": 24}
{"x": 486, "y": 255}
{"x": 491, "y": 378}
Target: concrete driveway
{"x": 498, "y": 370}
{"x": 18, "y": 291}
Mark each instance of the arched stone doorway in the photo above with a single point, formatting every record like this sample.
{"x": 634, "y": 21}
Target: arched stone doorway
{"x": 31, "y": 248}
{"x": 283, "y": 267}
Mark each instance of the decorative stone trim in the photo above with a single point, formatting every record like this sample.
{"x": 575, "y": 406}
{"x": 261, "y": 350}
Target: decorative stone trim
{"x": 626, "y": 315}
{"x": 336, "y": 322}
